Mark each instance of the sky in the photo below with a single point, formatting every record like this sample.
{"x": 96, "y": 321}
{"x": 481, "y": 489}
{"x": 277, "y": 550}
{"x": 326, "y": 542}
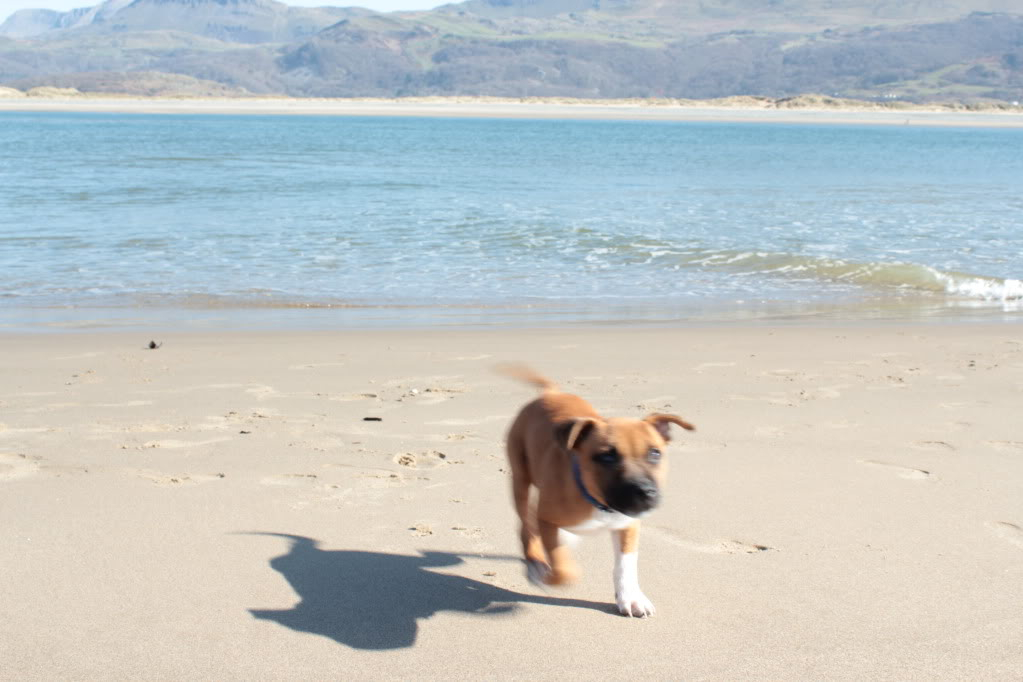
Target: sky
{"x": 8, "y": 7}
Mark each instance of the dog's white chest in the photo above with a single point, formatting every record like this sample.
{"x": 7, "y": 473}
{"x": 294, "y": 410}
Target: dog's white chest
{"x": 602, "y": 520}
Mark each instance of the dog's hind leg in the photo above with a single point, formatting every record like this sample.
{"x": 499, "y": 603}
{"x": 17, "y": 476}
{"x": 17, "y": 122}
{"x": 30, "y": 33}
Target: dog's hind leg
{"x": 537, "y": 567}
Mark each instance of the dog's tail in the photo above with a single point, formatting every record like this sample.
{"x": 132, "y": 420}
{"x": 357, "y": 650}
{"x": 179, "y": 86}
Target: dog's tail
{"x": 526, "y": 375}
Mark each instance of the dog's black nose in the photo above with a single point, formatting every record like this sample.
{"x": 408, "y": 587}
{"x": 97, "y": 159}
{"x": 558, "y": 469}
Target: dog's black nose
{"x": 646, "y": 489}
{"x": 635, "y": 496}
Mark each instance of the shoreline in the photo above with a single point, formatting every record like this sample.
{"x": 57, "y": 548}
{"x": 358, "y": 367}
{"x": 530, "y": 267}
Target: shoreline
{"x": 527, "y": 109}
{"x": 373, "y": 320}
{"x": 855, "y": 312}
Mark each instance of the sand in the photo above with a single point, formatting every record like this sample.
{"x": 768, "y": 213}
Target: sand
{"x": 748, "y": 110}
{"x": 219, "y": 508}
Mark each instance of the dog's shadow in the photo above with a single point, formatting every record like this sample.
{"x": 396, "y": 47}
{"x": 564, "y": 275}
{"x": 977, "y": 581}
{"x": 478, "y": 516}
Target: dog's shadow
{"x": 372, "y": 600}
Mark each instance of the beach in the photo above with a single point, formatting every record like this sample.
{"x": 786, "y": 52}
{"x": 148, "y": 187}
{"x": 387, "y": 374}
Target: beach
{"x": 805, "y": 110}
{"x": 335, "y": 505}
{"x": 251, "y": 428}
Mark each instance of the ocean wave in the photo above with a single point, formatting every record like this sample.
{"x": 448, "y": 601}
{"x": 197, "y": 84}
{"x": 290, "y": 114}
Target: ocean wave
{"x": 900, "y": 275}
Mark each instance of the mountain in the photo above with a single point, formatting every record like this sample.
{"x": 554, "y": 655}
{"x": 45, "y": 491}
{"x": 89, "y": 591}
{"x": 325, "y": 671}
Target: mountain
{"x": 239, "y": 21}
{"x": 919, "y": 50}
{"x": 739, "y": 14}
{"x": 32, "y": 22}
{"x": 355, "y": 58}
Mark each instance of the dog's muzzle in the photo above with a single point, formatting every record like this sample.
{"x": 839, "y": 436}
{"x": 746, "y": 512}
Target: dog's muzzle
{"x": 634, "y": 497}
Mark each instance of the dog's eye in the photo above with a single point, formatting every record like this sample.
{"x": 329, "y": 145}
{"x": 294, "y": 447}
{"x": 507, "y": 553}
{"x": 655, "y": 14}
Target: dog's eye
{"x": 654, "y": 456}
{"x": 607, "y": 457}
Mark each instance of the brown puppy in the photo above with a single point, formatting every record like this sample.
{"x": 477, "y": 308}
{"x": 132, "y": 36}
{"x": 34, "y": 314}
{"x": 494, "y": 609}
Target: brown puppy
{"x": 591, "y": 473}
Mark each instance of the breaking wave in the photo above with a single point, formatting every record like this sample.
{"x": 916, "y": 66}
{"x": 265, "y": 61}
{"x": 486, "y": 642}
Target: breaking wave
{"x": 908, "y": 276}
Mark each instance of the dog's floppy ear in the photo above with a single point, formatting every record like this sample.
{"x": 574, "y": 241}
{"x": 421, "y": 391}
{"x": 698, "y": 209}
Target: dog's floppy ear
{"x": 573, "y": 431}
{"x": 661, "y": 423}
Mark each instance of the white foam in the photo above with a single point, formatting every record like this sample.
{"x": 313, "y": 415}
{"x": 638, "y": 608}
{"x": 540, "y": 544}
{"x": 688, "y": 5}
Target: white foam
{"x": 1004, "y": 290}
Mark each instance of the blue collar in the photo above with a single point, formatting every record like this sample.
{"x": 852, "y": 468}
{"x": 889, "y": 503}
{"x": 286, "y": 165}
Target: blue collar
{"x": 577, "y": 475}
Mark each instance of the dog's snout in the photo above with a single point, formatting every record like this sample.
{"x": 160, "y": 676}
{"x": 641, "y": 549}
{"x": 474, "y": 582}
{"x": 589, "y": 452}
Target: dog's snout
{"x": 646, "y": 489}
{"x": 635, "y": 496}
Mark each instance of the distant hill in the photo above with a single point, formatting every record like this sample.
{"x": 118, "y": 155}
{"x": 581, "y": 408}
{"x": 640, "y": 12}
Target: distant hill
{"x": 240, "y": 21}
{"x": 821, "y": 11}
{"x": 919, "y": 50}
{"x": 703, "y": 16}
{"x": 32, "y": 22}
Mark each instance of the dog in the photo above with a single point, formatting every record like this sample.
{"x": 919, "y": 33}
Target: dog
{"x": 591, "y": 474}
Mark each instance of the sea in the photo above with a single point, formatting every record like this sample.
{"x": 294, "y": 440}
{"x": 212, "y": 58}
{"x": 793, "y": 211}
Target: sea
{"x": 291, "y": 221}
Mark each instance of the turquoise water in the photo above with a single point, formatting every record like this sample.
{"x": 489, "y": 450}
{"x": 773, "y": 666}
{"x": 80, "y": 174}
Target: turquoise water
{"x": 349, "y": 220}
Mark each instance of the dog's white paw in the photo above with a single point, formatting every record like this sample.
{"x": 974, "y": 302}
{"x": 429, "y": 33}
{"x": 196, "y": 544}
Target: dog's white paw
{"x": 537, "y": 572}
{"x": 634, "y": 604}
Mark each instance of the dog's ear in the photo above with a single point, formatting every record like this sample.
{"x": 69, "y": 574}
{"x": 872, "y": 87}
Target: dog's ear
{"x": 572, "y": 432}
{"x": 661, "y": 422}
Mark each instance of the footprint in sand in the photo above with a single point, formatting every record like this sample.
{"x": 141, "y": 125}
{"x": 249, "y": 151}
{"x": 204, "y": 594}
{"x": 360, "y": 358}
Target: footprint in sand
{"x": 421, "y": 530}
{"x": 475, "y": 533}
{"x": 714, "y": 547}
{"x": 902, "y": 472}
{"x": 13, "y": 467}
{"x": 262, "y": 392}
{"x": 164, "y": 479}
{"x": 459, "y": 436}
{"x": 427, "y": 397}
{"x": 233, "y": 420}
{"x": 423, "y": 460}
{"x": 1009, "y": 532}
{"x": 661, "y": 402}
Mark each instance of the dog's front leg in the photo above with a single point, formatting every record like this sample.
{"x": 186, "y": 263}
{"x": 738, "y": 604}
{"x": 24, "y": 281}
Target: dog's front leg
{"x": 630, "y": 599}
{"x": 563, "y": 567}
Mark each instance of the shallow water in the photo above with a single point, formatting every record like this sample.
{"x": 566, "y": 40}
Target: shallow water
{"x": 352, "y": 220}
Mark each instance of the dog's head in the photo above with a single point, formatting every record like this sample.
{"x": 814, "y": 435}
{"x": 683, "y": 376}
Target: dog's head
{"x": 622, "y": 461}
